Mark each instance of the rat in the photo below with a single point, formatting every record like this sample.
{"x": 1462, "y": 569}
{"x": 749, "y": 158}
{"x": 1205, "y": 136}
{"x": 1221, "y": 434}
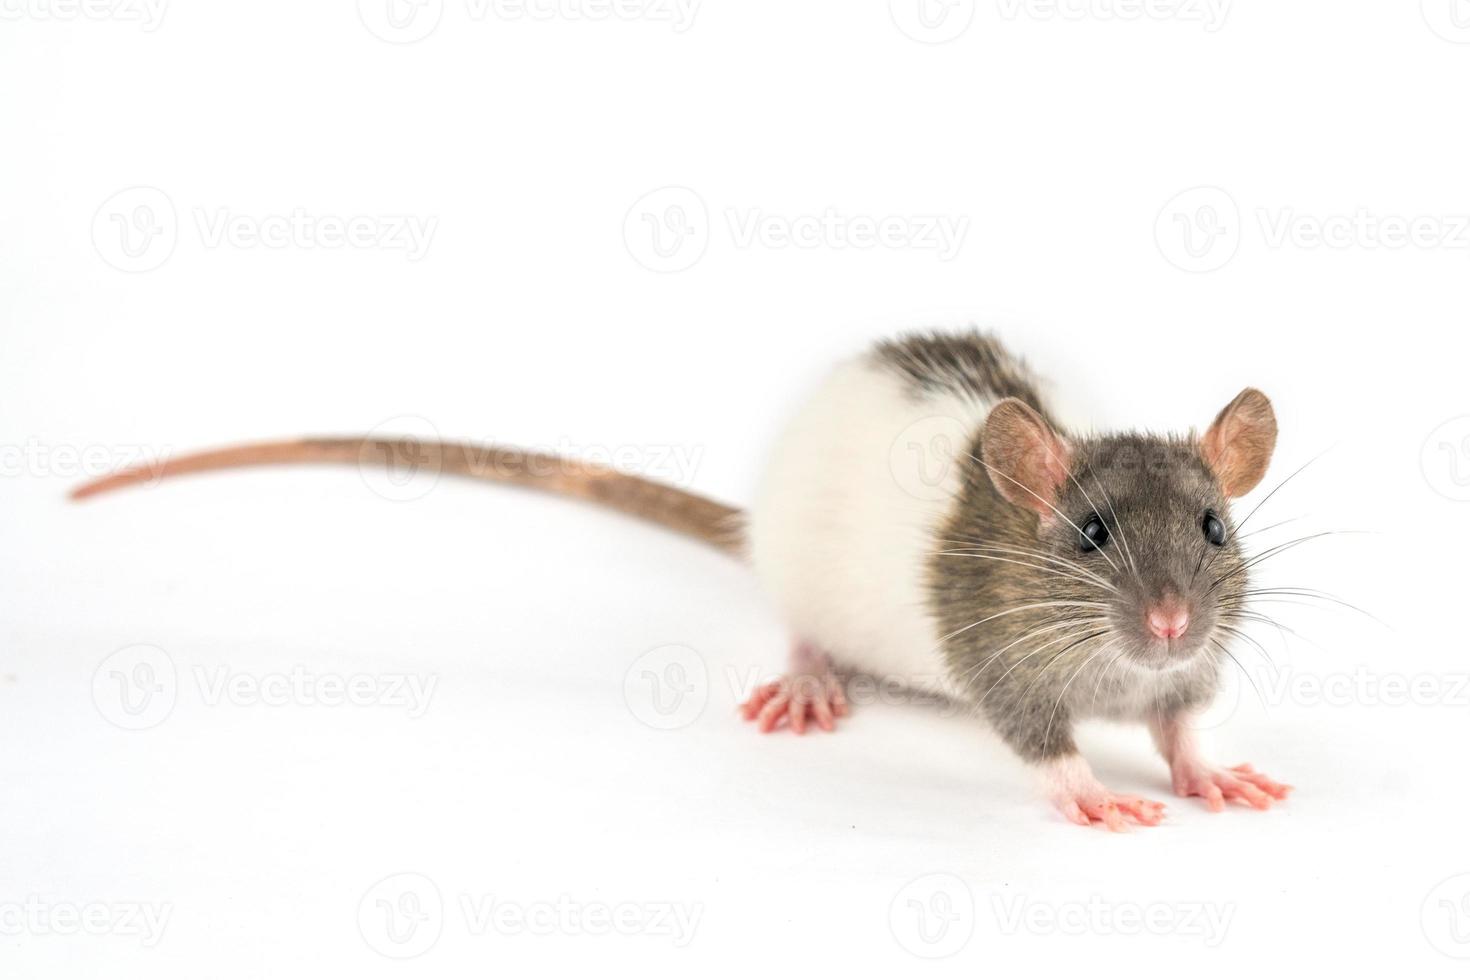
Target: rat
{"x": 1037, "y": 574}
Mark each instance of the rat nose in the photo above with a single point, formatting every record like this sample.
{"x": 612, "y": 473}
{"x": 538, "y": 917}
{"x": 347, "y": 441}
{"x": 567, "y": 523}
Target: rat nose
{"x": 1168, "y": 620}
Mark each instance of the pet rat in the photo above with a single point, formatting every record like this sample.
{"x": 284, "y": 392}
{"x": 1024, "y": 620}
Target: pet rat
{"x": 926, "y": 518}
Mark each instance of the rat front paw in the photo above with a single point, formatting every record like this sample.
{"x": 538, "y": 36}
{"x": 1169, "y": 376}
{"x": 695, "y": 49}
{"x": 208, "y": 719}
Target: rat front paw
{"x": 1241, "y": 784}
{"x": 1109, "y": 809}
{"x": 797, "y": 698}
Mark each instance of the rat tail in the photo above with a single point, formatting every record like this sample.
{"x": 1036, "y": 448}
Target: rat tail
{"x": 676, "y": 509}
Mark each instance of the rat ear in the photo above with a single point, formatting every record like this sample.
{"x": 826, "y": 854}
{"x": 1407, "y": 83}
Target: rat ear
{"x": 1237, "y": 448}
{"x": 1026, "y": 459}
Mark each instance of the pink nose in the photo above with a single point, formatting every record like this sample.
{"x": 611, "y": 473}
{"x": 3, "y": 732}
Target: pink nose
{"x": 1168, "y": 622}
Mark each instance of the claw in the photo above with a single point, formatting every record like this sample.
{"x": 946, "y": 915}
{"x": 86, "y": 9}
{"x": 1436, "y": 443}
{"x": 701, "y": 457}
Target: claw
{"x": 1238, "y": 784}
{"x": 1085, "y": 801}
{"x": 810, "y": 694}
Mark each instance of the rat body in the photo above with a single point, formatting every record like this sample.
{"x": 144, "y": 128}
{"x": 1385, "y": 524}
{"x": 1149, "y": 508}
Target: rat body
{"x": 926, "y": 519}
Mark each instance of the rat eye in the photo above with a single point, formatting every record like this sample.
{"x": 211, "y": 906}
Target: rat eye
{"x": 1094, "y": 534}
{"x": 1214, "y": 529}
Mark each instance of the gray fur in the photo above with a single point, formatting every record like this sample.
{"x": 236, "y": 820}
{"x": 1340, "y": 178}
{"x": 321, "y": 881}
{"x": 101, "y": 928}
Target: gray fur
{"x": 971, "y": 364}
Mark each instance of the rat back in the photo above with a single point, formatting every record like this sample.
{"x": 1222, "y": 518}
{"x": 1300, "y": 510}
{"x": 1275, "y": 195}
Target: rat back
{"x": 857, "y": 490}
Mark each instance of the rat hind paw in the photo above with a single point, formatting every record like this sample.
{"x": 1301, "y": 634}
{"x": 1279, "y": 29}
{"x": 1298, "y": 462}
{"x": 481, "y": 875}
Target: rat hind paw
{"x": 797, "y": 699}
{"x": 1239, "y": 784}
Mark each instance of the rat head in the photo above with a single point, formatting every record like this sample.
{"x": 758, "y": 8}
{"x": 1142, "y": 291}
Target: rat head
{"x": 1137, "y": 527}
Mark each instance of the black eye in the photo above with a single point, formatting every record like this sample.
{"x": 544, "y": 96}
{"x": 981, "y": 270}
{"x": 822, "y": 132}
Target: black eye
{"x": 1094, "y": 534}
{"x": 1214, "y": 529}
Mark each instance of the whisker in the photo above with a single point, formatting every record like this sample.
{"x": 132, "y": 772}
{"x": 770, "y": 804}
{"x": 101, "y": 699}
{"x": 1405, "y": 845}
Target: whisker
{"x": 1040, "y": 568}
{"x": 1247, "y": 674}
{"x": 1247, "y": 638}
{"x": 1059, "y": 655}
{"x": 1046, "y": 735}
{"x": 1061, "y": 639}
{"x": 1048, "y": 503}
{"x": 1027, "y": 553}
{"x": 1272, "y": 552}
{"x": 1103, "y": 674}
{"x": 1008, "y": 612}
{"x": 1262, "y": 502}
{"x": 1069, "y": 624}
{"x": 1272, "y": 594}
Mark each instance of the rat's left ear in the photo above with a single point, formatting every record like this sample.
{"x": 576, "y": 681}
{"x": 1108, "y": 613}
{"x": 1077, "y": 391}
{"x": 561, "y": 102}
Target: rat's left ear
{"x": 1238, "y": 446}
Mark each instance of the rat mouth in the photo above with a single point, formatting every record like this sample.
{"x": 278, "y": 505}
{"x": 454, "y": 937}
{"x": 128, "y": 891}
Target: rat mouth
{"x": 1166, "y": 654}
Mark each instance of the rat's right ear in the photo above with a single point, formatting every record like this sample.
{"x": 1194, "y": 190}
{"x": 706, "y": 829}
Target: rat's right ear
{"x": 1238, "y": 446}
{"x": 1027, "y": 460}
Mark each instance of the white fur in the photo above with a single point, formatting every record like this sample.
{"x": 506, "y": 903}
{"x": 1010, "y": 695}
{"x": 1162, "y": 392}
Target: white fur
{"x": 845, "y": 519}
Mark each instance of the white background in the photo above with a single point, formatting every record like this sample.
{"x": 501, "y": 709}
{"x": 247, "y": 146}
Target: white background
{"x": 1062, "y": 143}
